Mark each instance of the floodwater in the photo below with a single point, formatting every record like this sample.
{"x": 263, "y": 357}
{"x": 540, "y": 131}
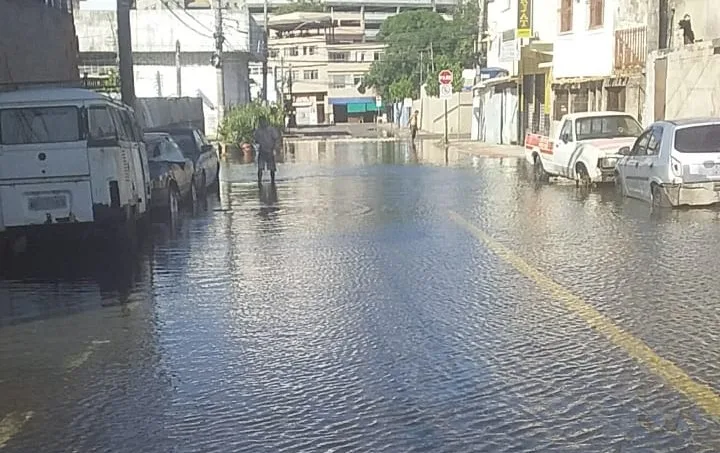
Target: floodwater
{"x": 379, "y": 299}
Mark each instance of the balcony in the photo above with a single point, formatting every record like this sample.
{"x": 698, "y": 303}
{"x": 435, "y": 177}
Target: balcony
{"x": 630, "y": 50}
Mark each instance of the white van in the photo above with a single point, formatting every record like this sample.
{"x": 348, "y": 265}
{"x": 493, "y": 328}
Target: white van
{"x": 70, "y": 157}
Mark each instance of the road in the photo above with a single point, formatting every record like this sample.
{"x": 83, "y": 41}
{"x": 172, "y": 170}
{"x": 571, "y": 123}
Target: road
{"x": 379, "y": 300}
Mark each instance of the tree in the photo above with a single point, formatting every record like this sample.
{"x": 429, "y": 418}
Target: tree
{"x": 304, "y": 6}
{"x": 421, "y": 43}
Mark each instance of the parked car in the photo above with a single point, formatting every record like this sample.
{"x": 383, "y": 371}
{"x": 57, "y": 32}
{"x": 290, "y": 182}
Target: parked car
{"x": 172, "y": 174}
{"x": 585, "y": 149}
{"x": 196, "y": 146}
{"x": 70, "y": 159}
{"x": 674, "y": 163}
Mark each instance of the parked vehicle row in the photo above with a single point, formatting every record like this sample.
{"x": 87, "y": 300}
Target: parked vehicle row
{"x": 74, "y": 158}
{"x": 669, "y": 163}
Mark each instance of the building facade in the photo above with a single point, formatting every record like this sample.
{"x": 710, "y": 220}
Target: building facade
{"x": 178, "y": 61}
{"x": 37, "y": 54}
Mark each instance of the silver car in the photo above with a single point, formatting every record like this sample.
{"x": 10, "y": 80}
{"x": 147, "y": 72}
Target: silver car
{"x": 673, "y": 163}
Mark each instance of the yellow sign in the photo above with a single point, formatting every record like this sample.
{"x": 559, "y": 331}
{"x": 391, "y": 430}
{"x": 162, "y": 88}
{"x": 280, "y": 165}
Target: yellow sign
{"x": 524, "y": 19}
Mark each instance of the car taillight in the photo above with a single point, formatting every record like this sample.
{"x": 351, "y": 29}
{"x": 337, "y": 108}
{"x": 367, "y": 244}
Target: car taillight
{"x": 676, "y": 167}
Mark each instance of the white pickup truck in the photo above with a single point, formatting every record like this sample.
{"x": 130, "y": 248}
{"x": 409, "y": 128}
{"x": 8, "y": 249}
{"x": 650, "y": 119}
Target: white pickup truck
{"x": 585, "y": 149}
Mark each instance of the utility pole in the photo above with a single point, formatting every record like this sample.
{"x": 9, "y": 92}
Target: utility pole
{"x": 127, "y": 81}
{"x": 178, "y": 69}
{"x": 291, "y": 113}
{"x": 218, "y": 61}
{"x": 265, "y": 54}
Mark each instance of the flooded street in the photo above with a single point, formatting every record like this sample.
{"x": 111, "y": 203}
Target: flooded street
{"x": 380, "y": 299}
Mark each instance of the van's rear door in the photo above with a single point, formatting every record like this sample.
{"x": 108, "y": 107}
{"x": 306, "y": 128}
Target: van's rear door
{"x": 42, "y": 142}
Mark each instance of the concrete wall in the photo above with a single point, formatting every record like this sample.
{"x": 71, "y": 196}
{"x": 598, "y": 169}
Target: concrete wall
{"x": 37, "y": 43}
{"x": 692, "y": 84}
{"x": 432, "y": 114}
{"x": 158, "y": 112}
{"x": 584, "y": 52}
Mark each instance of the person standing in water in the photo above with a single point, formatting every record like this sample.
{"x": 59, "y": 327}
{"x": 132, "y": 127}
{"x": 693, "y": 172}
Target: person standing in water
{"x": 414, "y": 125}
{"x": 267, "y": 138}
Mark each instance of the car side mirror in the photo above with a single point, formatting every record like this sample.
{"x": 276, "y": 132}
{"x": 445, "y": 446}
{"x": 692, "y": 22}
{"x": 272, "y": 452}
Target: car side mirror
{"x": 624, "y": 151}
{"x": 565, "y": 137}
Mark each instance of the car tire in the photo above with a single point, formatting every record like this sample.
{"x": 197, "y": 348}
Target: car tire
{"x": 619, "y": 186}
{"x": 173, "y": 206}
{"x": 582, "y": 177}
{"x": 657, "y": 197}
{"x": 539, "y": 173}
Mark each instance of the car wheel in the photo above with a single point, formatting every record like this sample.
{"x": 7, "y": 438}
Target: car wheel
{"x": 539, "y": 173}
{"x": 582, "y": 177}
{"x": 173, "y": 202}
{"x": 657, "y": 197}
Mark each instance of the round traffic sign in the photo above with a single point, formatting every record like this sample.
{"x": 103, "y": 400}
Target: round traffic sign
{"x": 445, "y": 77}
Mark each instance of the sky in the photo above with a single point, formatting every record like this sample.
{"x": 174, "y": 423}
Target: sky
{"x": 98, "y": 4}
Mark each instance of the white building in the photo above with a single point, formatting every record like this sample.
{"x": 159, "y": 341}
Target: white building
{"x": 520, "y": 36}
{"x": 155, "y": 34}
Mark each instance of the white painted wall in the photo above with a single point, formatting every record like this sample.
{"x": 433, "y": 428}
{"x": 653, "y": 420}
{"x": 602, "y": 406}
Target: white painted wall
{"x": 502, "y": 16}
{"x": 582, "y": 52}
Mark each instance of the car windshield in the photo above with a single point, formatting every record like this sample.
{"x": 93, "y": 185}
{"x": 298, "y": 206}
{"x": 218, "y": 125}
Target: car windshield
{"x": 186, "y": 143}
{"x": 39, "y": 125}
{"x": 611, "y": 126}
{"x": 698, "y": 139}
{"x": 163, "y": 149}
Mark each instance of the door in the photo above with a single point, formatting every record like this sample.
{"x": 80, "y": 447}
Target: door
{"x": 129, "y": 150}
{"x": 564, "y": 147}
{"x": 648, "y": 163}
{"x": 630, "y": 167}
{"x": 42, "y": 142}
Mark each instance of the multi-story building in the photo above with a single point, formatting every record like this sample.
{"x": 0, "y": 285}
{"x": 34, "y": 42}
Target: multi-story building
{"x": 327, "y": 55}
{"x": 37, "y": 42}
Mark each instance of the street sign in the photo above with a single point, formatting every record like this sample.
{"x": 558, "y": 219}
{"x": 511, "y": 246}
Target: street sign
{"x": 445, "y": 77}
{"x": 378, "y": 101}
{"x": 446, "y": 91}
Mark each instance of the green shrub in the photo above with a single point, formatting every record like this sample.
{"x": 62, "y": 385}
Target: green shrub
{"x": 240, "y": 122}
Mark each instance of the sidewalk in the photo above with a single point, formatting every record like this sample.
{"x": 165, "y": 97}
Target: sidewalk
{"x": 477, "y": 148}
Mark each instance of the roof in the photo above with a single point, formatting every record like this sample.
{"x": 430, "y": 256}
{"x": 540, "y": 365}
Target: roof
{"x": 39, "y": 95}
{"x": 299, "y": 21}
{"x": 694, "y": 121}
{"x": 170, "y": 129}
{"x": 573, "y": 116}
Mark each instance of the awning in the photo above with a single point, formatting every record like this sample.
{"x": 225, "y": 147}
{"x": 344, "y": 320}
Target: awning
{"x": 299, "y": 21}
{"x": 345, "y": 101}
{"x": 495, "y": 81}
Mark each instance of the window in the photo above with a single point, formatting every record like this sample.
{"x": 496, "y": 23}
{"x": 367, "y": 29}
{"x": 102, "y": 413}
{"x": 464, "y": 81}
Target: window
{"x": 655, "y": 141}
{"x": 124, "y": 131}
{"x": 640, "y": 146}
{"x": 291, "y": 52}
{"x": 376, "y": 56}
{"x": 310, "y": 74}
{"x": 273, "y": 53}
{"x": 597, "y": 13}
{"x": 595, "y": 127}
{"x": 338, "y": 81}
{"x": 294, "y": 75}
{"x": 566, "y": 15}
{"x": 616, "y": 99}
{"x": 698, "y": 139}
{"x": 339, "y": 56}
{"x": 100, "y": 125}
{"x": 358, "y": 79}
{"x": 566, "y": 130}
{"x": 39, "y": 125}
{"x": 309, "y": 50}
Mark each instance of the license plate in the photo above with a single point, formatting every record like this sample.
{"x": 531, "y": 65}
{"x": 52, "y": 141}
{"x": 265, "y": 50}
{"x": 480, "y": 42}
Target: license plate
{"x": 47, "y": 203}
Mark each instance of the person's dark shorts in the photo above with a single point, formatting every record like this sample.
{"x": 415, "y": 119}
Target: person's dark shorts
{"x": 413, "y": 131}
{"x": 266, "y": 161}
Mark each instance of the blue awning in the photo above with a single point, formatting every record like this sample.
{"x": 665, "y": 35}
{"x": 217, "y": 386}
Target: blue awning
{"x": 345, "y": 101}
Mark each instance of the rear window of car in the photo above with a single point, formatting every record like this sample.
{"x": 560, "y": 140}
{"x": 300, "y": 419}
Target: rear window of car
{"x": 24, "y": 126}
{"x": 186, "y": 143}
{"x": 698, "y": 139}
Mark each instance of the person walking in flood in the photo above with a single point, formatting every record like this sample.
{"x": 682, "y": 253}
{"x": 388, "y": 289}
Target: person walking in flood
{"x": 267, "y": 139}
{"x": 414, "y": 125}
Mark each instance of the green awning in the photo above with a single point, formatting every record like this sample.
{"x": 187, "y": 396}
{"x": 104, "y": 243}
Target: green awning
{"x": 356, "y": 108}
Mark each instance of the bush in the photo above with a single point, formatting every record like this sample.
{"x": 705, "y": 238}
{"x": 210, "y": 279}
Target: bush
{"x": 240, "y": 122}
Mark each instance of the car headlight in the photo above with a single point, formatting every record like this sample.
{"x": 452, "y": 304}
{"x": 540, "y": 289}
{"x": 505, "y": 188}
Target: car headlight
{"x": 608, "y": 162}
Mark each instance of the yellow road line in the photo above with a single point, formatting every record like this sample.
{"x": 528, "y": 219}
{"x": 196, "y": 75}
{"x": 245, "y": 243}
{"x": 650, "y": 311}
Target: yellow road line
{"x": 11, "y": 425}
{"x": 702, "y": 395}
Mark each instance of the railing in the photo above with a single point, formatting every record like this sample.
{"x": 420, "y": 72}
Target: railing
{"x": 630, "y": 49}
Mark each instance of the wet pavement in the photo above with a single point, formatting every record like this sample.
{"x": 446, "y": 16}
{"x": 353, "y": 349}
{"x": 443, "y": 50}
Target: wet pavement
{"x": 379, "y": 300}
